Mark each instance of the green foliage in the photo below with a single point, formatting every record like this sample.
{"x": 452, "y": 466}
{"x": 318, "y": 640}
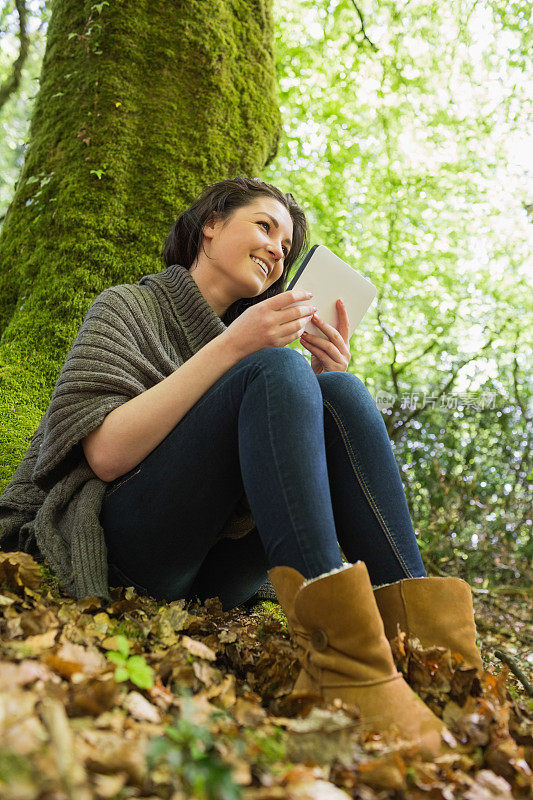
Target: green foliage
{"x": 50, "y": 580}
{"x": 272, "y": 747}
{"x": 403, "y": 156}
{"x": 128, "y": 629}
{"x": 401, "y": 143}
{"x": 15, "y": 769}
{"x": 189, "y": 753}
{"x": 98, "y": 172}
{"x": 132, "y": 668}
{"x": 271, "y": 610}
{"x": 15, "y": 114}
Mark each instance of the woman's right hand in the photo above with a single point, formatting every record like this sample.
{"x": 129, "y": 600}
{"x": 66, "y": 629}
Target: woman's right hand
{"x": 270, "y": 323}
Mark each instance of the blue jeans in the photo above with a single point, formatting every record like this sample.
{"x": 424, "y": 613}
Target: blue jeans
{"x": 312, "y": 454}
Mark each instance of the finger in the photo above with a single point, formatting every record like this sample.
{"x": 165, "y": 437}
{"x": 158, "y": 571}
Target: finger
{"x": 327, "y": 365}
{"x": 343, "y": 328}
{"x": 339, "y": 343}
{"x": 331, "y": 332}
{"x": 323, "y": 349}
{"x": 344, "y": 322}
{"x": 288, "y": 298}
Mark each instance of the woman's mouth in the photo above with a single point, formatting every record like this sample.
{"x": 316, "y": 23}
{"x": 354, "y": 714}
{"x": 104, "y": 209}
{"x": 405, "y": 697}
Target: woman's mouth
{"x": 260, "y": 265}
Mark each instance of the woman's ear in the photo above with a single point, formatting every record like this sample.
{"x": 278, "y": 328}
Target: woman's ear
{"x": 210, "y": 224}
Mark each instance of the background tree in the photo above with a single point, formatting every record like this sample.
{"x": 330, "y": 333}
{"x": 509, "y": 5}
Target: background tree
{"x": 138, "y": 107}
{"x": 19, "y": 78}
{"x": 402, "y": 125}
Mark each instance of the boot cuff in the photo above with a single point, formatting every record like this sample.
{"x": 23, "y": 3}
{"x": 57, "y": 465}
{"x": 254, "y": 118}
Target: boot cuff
{"x": 326, "y": 574}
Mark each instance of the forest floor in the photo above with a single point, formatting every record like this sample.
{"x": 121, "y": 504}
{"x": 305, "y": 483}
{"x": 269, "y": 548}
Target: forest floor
{"x": 181, "y": 701}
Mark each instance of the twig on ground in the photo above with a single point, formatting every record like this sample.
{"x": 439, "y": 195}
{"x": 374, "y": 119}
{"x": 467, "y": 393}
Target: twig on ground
{"x": 508, "y": 590}
{"x": 512, "y": 663}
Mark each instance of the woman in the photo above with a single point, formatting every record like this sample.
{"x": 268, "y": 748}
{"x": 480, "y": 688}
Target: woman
{"x": 191, "y": 410}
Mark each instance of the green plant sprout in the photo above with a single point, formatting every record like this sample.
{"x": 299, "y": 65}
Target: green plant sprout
{"x": 130, "y": 668}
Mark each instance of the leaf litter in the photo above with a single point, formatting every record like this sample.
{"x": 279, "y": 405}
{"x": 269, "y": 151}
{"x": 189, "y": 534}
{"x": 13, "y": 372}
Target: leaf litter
{"x": 182, "y": 700}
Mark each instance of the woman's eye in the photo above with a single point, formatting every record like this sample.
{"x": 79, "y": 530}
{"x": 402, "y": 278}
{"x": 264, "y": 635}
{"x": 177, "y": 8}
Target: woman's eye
{"x": 264, "y": 222}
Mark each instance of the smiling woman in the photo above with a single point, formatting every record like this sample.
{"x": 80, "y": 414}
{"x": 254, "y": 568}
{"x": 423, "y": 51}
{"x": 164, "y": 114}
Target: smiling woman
{"x": 195, "y": 455}
{"x": 241, "y": 218}
{"x": 244, "y": 254}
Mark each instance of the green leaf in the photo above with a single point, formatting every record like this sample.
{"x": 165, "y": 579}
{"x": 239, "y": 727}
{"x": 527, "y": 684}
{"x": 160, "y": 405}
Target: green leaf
{"x": 141, "y": 674}
{"x": 116, "y": 658}
{"x": 123, "y": 646}
{"x": 121, "y": 674}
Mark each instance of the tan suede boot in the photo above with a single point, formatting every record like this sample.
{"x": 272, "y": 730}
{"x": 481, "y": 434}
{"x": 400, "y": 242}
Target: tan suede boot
{"x": 437, "y": 611}
{"x": 344, "y": 653}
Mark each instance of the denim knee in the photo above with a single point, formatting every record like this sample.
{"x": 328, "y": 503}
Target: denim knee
{"x": 346, "y": 386}
{"x": 283, "y": 361}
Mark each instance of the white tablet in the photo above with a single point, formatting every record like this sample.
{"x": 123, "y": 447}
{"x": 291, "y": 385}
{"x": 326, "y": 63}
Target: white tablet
{"x": 329, "y": 277}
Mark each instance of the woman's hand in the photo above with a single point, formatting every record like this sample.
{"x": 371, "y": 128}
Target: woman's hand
{"x": 332, "y": 355}
{"x": 274, "y": 322}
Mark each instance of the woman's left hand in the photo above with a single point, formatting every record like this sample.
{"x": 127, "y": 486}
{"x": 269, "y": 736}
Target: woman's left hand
{"x": 333, "y": 355}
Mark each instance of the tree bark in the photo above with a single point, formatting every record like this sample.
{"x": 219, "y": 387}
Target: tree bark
{"x": 140, "y": 105}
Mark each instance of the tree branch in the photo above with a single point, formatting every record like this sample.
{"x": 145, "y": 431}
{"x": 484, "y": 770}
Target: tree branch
{"x": 13, "y": 82}
{"x": 393, "y": 370}
{"x": 394, "y": 429}
{"x": 361, "y": 20}
{"x": 518, "y": 398}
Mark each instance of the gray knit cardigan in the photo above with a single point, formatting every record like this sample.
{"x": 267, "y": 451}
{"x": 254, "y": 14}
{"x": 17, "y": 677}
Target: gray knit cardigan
{"x": 133, "y": 336}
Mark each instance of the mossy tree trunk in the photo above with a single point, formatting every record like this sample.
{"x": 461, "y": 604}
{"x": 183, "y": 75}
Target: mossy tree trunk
{"x": 140, "y": 105}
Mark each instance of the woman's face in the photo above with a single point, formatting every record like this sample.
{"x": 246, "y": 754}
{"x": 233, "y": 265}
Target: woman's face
{"x": 258, "y": 232}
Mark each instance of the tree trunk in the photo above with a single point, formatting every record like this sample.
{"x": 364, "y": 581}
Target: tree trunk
{"x": 140, "y": 105}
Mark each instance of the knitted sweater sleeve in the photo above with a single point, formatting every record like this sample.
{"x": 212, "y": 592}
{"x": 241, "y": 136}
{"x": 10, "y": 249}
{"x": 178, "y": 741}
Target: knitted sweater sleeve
{"x": 105, "y": 368}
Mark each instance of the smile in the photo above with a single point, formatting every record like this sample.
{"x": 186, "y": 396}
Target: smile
{"x": 260, "y": 263}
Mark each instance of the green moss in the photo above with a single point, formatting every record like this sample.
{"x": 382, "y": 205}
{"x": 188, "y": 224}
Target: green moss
{"x": 272, "y": 610}
{"x": 169, "y": 98}
{"x": 129, "y": 630}
{"x": 17, "y": 769}
{"x": 51, "y": 582}
{"x": 273, "y": 748}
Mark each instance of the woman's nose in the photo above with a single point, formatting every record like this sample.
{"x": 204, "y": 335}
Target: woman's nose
{"x": 277, "y": 252}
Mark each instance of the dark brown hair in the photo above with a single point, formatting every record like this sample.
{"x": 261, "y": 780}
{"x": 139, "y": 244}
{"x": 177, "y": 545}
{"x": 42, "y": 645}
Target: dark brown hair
{"x": 224, "y": 198}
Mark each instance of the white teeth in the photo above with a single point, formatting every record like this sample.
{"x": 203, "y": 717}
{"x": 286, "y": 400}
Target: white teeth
{"x": 260, "y": 264}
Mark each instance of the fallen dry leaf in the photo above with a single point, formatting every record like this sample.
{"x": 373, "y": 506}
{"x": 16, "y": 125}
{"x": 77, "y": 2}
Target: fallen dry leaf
{"x": 76, "y": 731}
{"x": 141, "y": 708}
{"x": 19, "y": 570}
{"x": 385, "y": 772}
{"x": 198, "y": 648}
{"x": 488, "y": 786}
